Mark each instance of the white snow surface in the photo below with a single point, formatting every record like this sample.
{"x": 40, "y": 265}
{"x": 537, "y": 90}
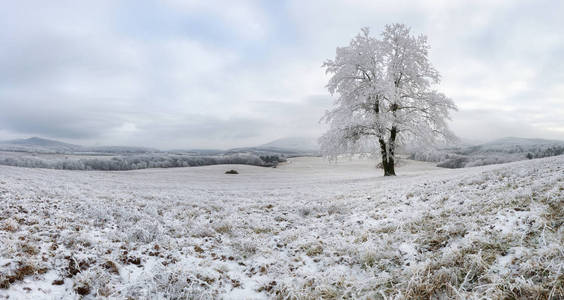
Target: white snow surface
{"x": 305, "y": 230}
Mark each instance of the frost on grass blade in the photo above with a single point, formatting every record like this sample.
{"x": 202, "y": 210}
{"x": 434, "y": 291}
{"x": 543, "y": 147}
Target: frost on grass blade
{"x": 304, "y": 230}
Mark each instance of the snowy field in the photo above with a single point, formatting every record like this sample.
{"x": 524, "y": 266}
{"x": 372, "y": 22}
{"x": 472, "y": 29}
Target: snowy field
{"x": 304, "y": 230}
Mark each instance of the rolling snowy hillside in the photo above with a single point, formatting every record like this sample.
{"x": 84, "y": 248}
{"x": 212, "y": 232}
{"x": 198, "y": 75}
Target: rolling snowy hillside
{"x": 306, "y": 230}
{"x": 494, "y": 152}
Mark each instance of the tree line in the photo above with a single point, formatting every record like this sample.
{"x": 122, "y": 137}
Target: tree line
{"x": 135, "y": 162}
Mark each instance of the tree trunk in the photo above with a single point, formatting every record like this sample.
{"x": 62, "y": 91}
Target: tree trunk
{"x": 387, "y": 150}
{"x": 388, "y": 165}
{"x": 387, "y": 159}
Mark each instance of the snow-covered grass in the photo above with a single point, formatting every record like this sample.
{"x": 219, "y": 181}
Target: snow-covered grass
{"x": 305, "y": 230}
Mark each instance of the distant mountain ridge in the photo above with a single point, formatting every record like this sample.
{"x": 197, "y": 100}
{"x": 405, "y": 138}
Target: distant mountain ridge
{"x": 293, "y": 143}
{"x": 29, "y": 153}
{"x": 523, "y": 141}
{"x": 44, "y": 153}
{"x": 290, "y": 146}
{"x": 42, "y": 145}
{"x": 39, "y": 142}
{"x": 502, "y": 150}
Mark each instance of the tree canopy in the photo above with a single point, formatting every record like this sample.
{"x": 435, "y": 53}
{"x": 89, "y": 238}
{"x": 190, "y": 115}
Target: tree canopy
{"x": 385, "y": 96}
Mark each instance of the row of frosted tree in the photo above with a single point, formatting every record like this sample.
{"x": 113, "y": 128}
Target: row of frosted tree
{"x": 135, "y": 162}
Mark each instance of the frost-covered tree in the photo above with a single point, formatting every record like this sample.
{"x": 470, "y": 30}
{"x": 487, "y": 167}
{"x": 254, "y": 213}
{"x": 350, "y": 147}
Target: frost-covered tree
{"x": 385, "y": 96}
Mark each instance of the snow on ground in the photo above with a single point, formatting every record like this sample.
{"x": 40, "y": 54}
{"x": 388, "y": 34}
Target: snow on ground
{"x": 304, "y": 230}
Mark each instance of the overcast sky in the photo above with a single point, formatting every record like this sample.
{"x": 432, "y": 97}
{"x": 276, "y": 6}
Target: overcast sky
{"x": 221, "y": 74}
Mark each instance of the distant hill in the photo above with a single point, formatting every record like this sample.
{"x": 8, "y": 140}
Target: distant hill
{"x": 502, "y": 150}
{"x": 120, "y": 149}
{"x": 41, "y": 145}
{"x": 519, "y": 140}
{"x": 44, "y": 153}
{"x": 290, "y": 147}
{"x": 37, "y": 141}
{"x": 512, "y": 145}
{"x": 516, "y": 141}
{"x": 293, "y": 143}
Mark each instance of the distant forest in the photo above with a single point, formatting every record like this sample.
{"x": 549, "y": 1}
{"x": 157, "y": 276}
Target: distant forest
{"x": 487, "y": 154}
{"x": 140, "y": 161}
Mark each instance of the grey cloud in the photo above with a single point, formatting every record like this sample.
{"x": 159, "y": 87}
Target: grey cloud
{"x": 71, "y": 70}
{"x": 195, "y": 131}
{"x": 47, "y": 59}
{"x": 56, "y": 123}
{"x": 483, "y": 125}
{"x": 208, "y": 127}
{"x": 296, "y": 118}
